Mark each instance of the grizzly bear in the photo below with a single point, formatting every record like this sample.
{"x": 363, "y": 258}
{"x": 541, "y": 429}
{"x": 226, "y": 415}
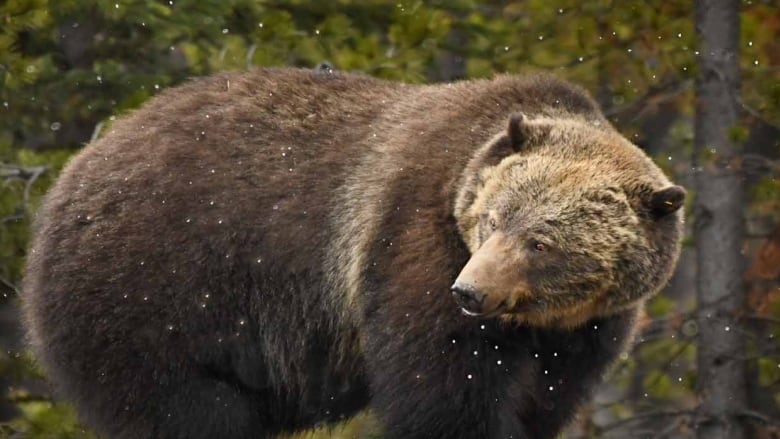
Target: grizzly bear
{"x": 257, "y": 253}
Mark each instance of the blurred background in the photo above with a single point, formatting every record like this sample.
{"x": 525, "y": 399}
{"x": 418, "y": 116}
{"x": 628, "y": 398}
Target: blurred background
{"x": 707, "y": 353}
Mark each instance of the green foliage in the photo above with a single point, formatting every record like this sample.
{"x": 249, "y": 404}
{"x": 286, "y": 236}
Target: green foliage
{"x": 766, "y": 197}
{"x": 46, "y": 420}
{"x": 768, "y": 371}
{"x": 660, "y": 306}
{"x": 739, "y": 134}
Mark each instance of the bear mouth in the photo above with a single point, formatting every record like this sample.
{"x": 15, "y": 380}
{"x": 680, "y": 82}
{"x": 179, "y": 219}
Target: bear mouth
{"x": 519, "y": 308}
{"x": 500, "y": 309}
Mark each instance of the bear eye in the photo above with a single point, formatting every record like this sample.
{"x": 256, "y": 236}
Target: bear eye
{"x": 492, "y": 224}
{"x": 538, "y": 246}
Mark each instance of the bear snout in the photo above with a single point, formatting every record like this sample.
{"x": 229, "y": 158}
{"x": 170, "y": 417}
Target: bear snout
{"x": 492, "y": 279}
{"x": 468, "y": 298}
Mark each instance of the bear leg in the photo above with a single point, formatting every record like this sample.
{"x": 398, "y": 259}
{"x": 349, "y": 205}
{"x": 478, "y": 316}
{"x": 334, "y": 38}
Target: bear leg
{"x": 209, "y": 408}
{"x": 193, "y": 407}
{"x": 432, "y": 386}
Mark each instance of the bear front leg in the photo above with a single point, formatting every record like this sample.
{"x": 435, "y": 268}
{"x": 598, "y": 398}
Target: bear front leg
{"x": 480, "y": 379}
{"x": 434, "y": 378}
{"x": 572, "y": 365}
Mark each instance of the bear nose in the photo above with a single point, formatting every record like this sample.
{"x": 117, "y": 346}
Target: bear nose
{"x": 468, "y": 298}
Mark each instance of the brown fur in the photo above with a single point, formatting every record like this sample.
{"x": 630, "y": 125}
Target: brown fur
{"x": 260, "y": 252}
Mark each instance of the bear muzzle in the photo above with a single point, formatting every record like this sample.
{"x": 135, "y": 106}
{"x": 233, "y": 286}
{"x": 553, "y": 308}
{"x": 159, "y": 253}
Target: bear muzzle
{"x": 472, "y": 302}
{"x": 491, "y": 282}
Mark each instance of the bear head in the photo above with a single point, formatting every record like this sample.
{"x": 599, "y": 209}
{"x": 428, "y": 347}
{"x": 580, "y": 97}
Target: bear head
{"x": 566, "y": 220}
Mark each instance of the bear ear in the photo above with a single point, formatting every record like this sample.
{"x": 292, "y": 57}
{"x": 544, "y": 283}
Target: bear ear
{"x": 667, "y": 200}
{"x": 517, "y": 137}
{"x": 518, "y": 131}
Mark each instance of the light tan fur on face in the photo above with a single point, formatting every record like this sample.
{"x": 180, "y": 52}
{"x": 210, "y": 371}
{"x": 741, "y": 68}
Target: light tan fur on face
{"x": 566, "y": 318}
{"x": 579, "y": 164}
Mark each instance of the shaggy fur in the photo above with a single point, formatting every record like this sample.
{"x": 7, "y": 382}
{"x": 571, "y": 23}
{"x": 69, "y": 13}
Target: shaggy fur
{"x": 256, "y": 253}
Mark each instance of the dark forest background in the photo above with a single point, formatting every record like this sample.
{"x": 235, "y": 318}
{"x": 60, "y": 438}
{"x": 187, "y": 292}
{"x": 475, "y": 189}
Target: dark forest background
{"x": 696, "y": 84}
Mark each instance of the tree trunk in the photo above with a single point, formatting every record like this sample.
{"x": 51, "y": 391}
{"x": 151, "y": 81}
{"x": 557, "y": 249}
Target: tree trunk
{"x": 450, "y": 65}
{"x": 718, "y": 227}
